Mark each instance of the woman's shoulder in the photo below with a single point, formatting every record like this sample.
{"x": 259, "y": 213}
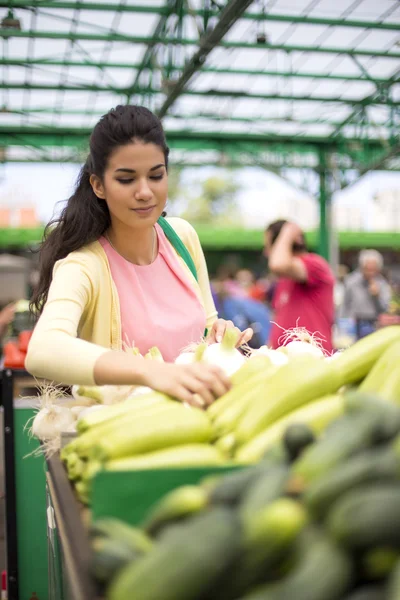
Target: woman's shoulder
{"x": 89, "y": 256}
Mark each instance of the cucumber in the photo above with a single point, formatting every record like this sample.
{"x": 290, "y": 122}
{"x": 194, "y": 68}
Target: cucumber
{"x": 108, "y": 557}
{"x": 268, "y": 540}
{"x": 348, "y": 435}
{"x": 393, "y": 587}
{"x": 323, "y": 572}
{"x": 185, "y": 565}
{"x": 178, "y": 504}
{"x": 297, "y": 437}
{"x": 378, "y": 563}
{"x": 367, "y": 517}
{"x": 381, "y": 464}
{"x": 230, "y": 488}
{"x": 111, "y": 528}
{"x": 371, "y": 592}
{"x": 387, "y": 413}
{"x": 264, "y": 489}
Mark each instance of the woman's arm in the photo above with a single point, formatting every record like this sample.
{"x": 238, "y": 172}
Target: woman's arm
{"x": 57, "y": 354}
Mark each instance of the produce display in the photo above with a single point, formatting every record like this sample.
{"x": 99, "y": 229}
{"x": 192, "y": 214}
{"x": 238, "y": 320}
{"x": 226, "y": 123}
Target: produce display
{"x": 316, "y": 519}
{"x": 312, "y": 509}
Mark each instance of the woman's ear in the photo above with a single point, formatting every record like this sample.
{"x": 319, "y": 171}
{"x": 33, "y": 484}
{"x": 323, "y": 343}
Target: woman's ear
{"x": 97, "y": 186}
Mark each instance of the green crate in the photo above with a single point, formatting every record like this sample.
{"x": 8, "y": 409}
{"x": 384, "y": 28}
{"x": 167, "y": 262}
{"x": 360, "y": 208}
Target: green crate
{"x": 129, "y": 495}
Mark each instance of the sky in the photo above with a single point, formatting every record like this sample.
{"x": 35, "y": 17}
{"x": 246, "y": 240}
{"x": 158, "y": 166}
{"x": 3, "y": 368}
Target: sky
{"x": 261, "y": 195}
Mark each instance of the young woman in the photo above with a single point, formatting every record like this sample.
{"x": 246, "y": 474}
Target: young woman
{"x": 115, "y": 273}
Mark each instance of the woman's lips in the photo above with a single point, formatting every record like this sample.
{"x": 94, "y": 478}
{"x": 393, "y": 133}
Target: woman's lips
{"x": 144, "y": 211}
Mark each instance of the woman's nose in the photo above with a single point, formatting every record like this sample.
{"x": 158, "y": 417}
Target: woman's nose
{"x": 143, "y": 191}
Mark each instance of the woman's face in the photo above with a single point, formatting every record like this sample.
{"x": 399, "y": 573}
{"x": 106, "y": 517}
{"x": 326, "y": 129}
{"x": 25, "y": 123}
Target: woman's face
{"x": 135, "y": 184}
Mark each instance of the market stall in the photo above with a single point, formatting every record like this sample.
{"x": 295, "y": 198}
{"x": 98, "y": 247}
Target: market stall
{"x": 298, "y": 461}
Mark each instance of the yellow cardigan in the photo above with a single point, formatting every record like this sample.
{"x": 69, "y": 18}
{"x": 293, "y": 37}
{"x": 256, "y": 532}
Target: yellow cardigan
{"x": 81, "y": 318}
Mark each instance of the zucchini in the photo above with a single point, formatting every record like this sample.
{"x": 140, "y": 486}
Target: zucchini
{"x": 264, "y": 489}
{"x": 174, "y": 426}
{"x": 383, "y": 379}
{"x": 178, "y": 504}
{"x": 226, "y": 444}
{"x": 178, "y": 568}
{"x": 323, "y": 572}
{"x": 357, "y": 361}
{"x": 318, "y": 414}
{"x": 393, "y": 587}
{"x": 370, "y": 592}
{"x": 381, "y": 464}
{"x": 367, "y": 517}
{"x": 230, "y": 489}
{"x": 108, "y": 557}
{"x": 268, "y": 539}
{"x": 297, "y": 437}
{"x": 293, "y": 385}
{"x": 185, "y": 455}
{"x": 378, "y": 563}
{"x": 111, "y": 528}
{"x": 347, "y": 435}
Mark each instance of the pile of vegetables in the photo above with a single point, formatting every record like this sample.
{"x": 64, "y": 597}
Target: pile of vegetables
{"x": 315, "y": 519}
{"x": 141, "y": 428}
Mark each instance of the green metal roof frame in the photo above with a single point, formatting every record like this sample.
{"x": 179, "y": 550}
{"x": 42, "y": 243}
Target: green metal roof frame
{"x": 185, "y": 68}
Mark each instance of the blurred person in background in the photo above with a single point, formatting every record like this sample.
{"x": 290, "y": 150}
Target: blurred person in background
{"x": 367, "y": 293}
{"x": 303, "y": 295}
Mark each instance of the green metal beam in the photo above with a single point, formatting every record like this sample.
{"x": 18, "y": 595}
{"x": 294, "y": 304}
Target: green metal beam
{"x": 324, "y": 232}
{"x": 228, "y": 17}
{"x": 160, "y": 10}
{"x": 214, "y": 93}
{"x": 182, "y": 117}
{"x": 14, "y": 62}
{"x": 159, "y": 31}
{"x": 188, "y": 138}
{"x": 118, "y": 37}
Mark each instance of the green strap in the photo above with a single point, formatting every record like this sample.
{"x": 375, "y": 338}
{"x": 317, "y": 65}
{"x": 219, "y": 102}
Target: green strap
{"x": 177, "y": 243}
{"x": 180, "y": 247}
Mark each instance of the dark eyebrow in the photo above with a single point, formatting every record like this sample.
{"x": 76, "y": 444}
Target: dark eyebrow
{"x": 133, "y": 170}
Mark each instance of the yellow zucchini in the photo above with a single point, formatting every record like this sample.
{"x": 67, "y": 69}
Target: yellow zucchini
{"x": 355, "y": 363}
{"x": 317, "y": 415}
{"x": 176, "y": 426}
{"x": 177, "y": 456}
{"x": 292, "y": 386}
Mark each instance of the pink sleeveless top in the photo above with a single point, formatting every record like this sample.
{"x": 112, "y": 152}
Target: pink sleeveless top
{"x": 158, "y": 305}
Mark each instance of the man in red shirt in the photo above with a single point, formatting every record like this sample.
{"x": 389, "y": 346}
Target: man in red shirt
{"x": 304, "y": 292}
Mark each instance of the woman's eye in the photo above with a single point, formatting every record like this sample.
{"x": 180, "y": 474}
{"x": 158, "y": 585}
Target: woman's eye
{"x": 123, "y": 181}
{"x": 156, "y": 177}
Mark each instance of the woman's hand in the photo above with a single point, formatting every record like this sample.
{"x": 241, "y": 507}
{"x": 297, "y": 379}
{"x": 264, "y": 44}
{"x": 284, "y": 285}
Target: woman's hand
{"x": 219, "y": 327}
{"x": 196, "y": 384}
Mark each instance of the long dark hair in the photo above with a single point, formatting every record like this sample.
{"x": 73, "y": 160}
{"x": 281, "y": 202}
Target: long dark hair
{"x": 85, "y": 217}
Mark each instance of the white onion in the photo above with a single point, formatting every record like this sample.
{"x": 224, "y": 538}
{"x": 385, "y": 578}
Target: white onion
{"x": 186, "y": 358}
{"x": 50, "y": 421}
{"x": 224, "y": 354}
{"x": 298, "y": 348}
{"x": 277, "y": 357}
{"x": 140, "y": 390}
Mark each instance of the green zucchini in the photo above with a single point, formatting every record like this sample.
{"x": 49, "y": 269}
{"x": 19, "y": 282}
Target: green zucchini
{"x": 108, "y": 557}
{"x": 370, "y": 592}
{"x": 393, "y": 587}
{"x": 114, "y": 529}
{"x": 381, "y": 464}
{"x": 367, "y": 517}
{"x": 345, "y": 437}
{"x": 297, "y": 437}
{"x": 229, "y": 489}
{"x": 269, "y": 538}
{"x": 264, "y": 489}
{"x": 180, "y": 503}
{"x": 185, "y": 564}
{"x": 323, "y": 572}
